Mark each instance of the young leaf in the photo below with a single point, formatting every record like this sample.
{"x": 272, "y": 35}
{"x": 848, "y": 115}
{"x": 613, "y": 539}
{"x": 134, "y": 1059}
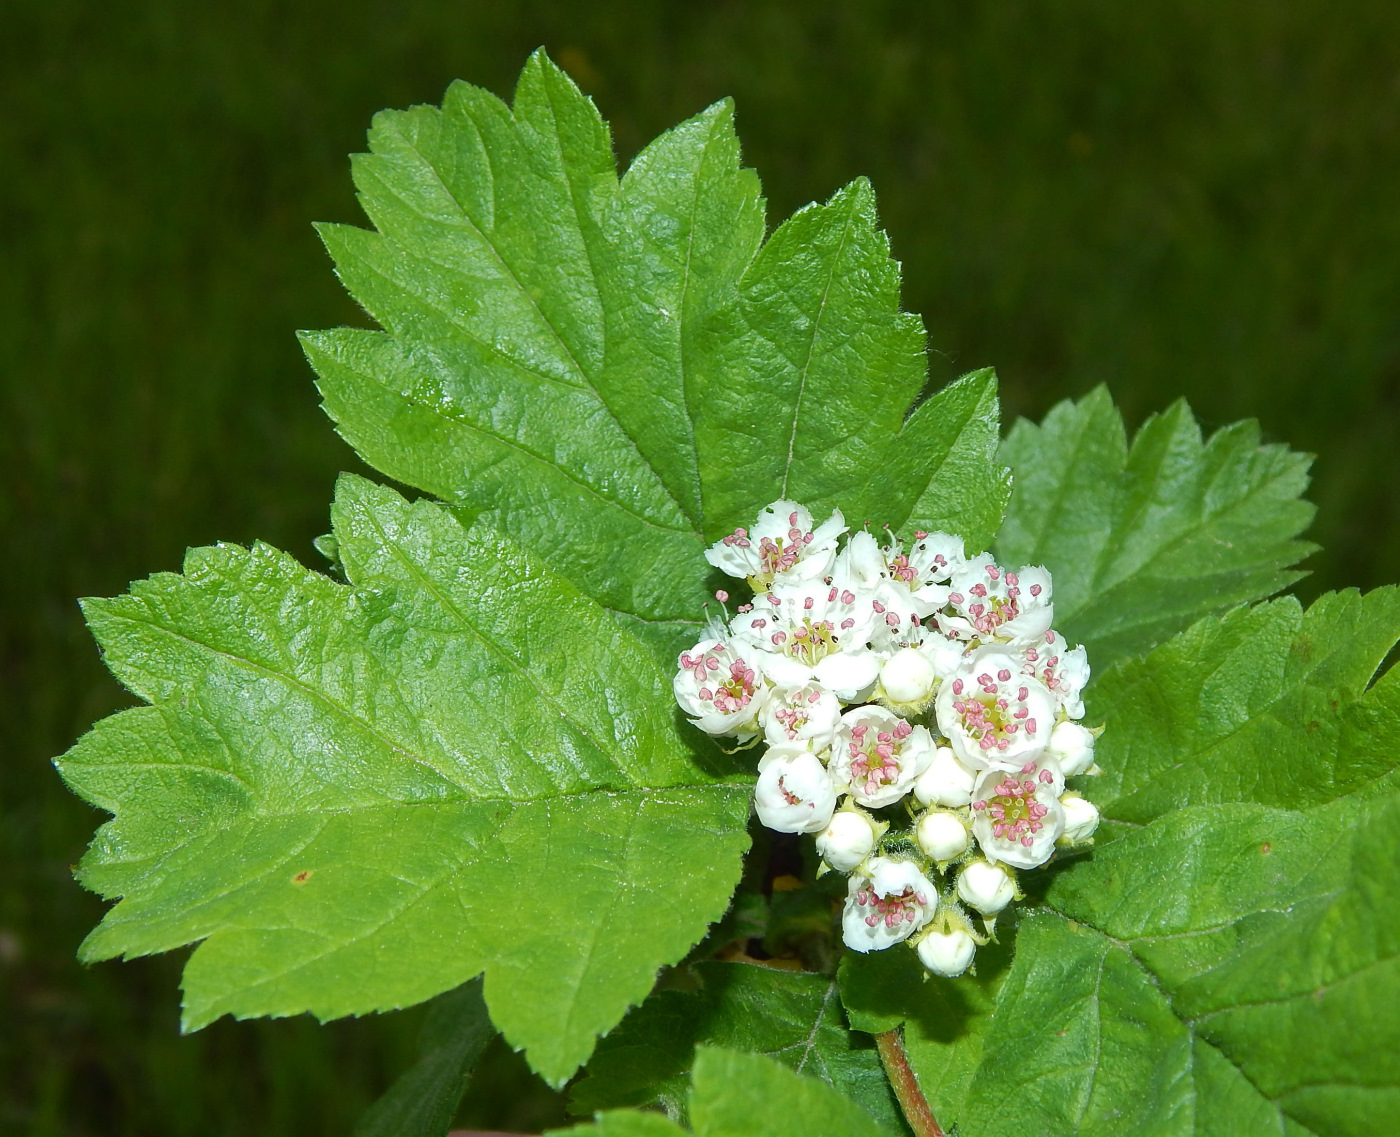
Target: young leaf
{"x": 359, "y": 796}
{"x": 794, "y": 1017}
{"x": 1224, "y": 963}
{"x": 611, "y": 370}
{"x": 424, "y": 1100}
{"x": 1144, "y": 540}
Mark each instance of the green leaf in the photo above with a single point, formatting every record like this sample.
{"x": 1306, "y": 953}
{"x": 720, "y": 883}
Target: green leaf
{"x": 1264, "y": 705}
{"x": 1223, "y": 959}
{"x": 1250, "y": 989}
{"x": 358, "y": 796}
{"x": 612, "y": 370}
{"x": 793, "y": 1017}
{"x": 424, "y": 1100}
{"x": 1144, "y": 540}
{"x": 748, "y": 1095}
{"x": 623, "y": 1123}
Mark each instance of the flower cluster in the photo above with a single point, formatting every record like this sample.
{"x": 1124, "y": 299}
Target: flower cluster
{"x": 881, "y": 673}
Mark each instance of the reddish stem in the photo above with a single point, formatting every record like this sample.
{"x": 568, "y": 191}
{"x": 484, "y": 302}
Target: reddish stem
{"x": 906, "y": 1085}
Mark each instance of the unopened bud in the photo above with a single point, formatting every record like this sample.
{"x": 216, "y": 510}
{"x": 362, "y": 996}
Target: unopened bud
{"x": 942, "y": 836}
{"x": 847, "y": 841}
{"x": 946, "y": 782}
{"x": 908, "y": 676}
{"x": 947, "y": 953}
{"x": 1072, "y": 746}
{"x": 1081, "y": 819}
{"x": 988, "y": 888}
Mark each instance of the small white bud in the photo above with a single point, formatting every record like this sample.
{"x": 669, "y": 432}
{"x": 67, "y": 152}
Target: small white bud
{"x": 847, "y": 841}
{"x": 946, "y": 782}
{"x": 988, "y": 888}
{"x": 942, "y": 836}
{"x": 908, "y": 676}
{"x": 1072, "y": 746}
{"x": 1081, "y": 819}
{"x": 947, "y": 953}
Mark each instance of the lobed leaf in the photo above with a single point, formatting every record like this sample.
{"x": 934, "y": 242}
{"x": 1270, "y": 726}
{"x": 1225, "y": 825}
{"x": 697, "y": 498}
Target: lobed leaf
{"x": 793, "y": 1017}
{"x": 597, "y": 364}
{"x": 356, "y": 797}
{"x": 1143, "y": 540}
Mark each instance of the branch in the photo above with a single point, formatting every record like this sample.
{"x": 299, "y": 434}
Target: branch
{"x": 906, "y": 1085}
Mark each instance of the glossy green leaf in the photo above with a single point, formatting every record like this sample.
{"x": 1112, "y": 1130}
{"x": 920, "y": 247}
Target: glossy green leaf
{"x": 1224, "y": 960}
{"x": 612, "y": 370}
{"x": 1264, "y": 705}
{"x": 749, "y": 1095}
{"x": 425, "y": 1098}
{"x": 794, "y": 1017}
{"x": 1144, "y": 540}
{"x": 357, "y": 796}
{"x": 735, "y": 1094}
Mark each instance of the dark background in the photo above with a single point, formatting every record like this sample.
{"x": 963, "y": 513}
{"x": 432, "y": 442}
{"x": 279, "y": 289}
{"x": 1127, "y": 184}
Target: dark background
{"x": 1188, "y": 198}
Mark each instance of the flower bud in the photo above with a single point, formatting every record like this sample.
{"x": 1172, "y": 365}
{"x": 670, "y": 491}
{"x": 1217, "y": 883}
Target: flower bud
{"x": 942, "y": 836}
{"x": 847, "y": 841}
{"x": 908, "y": 676}
{"x": 946, "y": 782}
{"x": 794, "y": 793}
{"x": 1081, "y": 819}
{"x": 947, "y": 953}
{"x": 988, "y": 888}
{"x": 1072, "y": 746}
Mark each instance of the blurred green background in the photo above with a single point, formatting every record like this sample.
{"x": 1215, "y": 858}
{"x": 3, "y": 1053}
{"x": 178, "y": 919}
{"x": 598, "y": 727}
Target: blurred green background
{"x": 1191, "y": 198}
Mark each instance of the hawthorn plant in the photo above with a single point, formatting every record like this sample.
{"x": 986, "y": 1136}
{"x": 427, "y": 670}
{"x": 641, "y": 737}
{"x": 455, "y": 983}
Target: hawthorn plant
{"x": 859, "y": 848}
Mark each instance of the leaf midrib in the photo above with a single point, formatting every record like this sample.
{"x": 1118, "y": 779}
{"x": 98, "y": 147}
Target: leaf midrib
{"x": 846, "y": 231}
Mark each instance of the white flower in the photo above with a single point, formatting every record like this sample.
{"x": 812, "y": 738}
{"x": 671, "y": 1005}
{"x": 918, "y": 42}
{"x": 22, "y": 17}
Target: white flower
{"x": 934, "y": 557}
{"x": 947, "y": 953}
{"x": 877, "y": 755}
{"x": 942, "y": 836}
{"x": 946, "y": 782}
{"x": 887, "y": 903}
{"x": 849, "y": 675}
{"x": 794, "y": 792}
{"x": 1081, "y": 819}
{"x": 812, "y": 631}
{"x": 986, "y": 887}
{"x": 781, "y": 544}
{"x": 1063, "y": 671}
{"x": 945, "y": 655}
{"x": 1072, "y": 747}
{"x": 1017, "y": 817}
{"x": 913, "y": 582}
{"x": 988, "y": 603}
{"x": 847, "y": 841}
{"x": 861, "y": 571}
{"x": 802, "y": 714}
{"x": 721, "y": 689}
{"x": 992, "y": 715}
{"x": 908, "y": 677}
